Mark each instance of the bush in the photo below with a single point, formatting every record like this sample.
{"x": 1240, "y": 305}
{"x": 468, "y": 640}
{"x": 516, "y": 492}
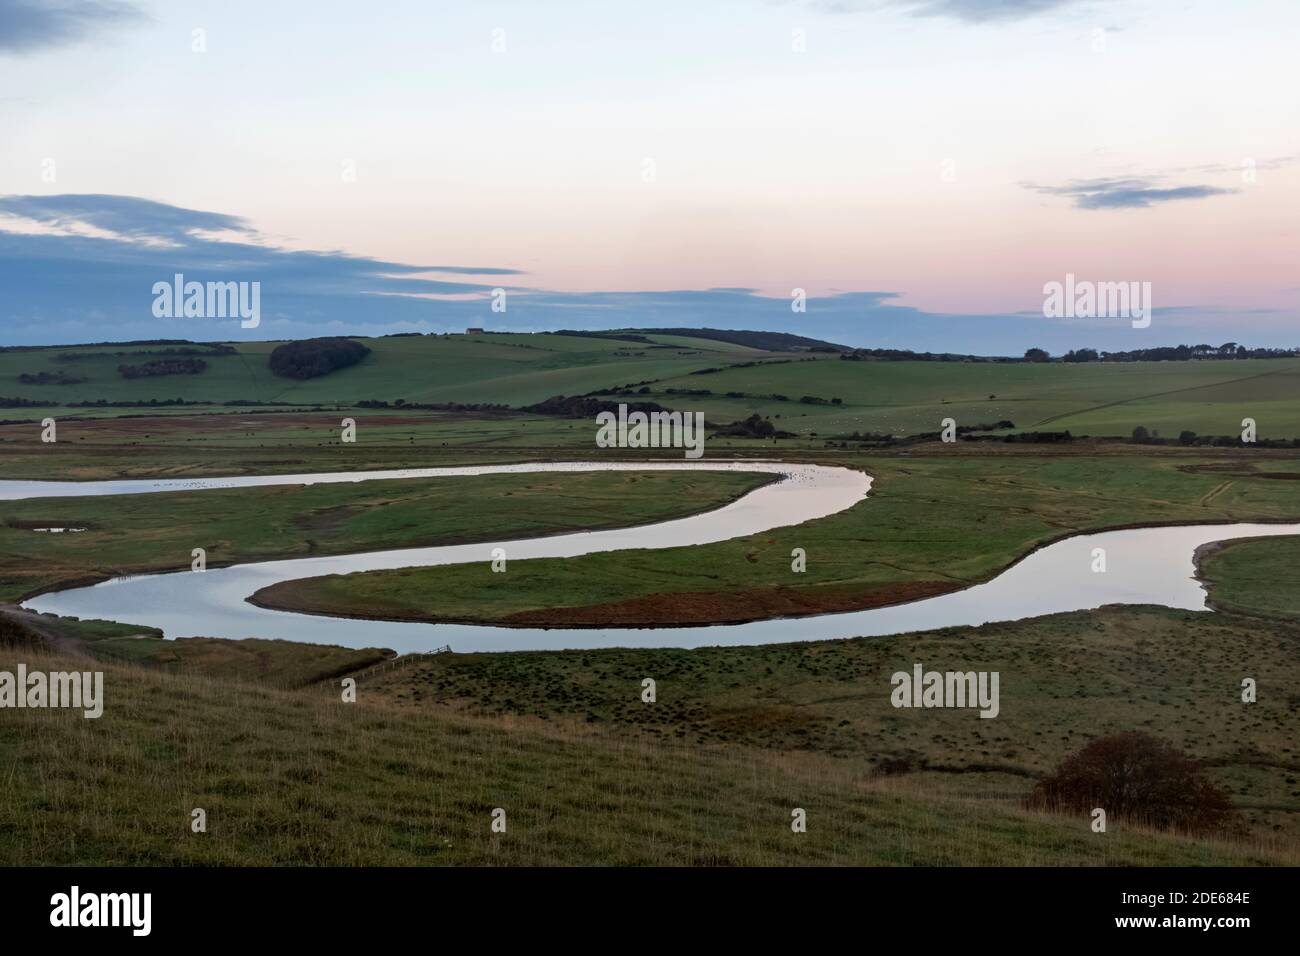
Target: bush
{"x": 312, "y": 358}
{"x": 1137, "y": 777}
{"x": 752, "y": 427}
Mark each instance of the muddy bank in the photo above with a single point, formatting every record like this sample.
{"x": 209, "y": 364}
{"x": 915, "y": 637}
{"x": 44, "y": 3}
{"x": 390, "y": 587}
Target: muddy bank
{"x": 667, "y": 609}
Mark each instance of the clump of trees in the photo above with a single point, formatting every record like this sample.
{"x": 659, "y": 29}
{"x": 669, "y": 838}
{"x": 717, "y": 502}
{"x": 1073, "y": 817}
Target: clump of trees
{"x": 167, "y": 366}
{"x": 907, "y": 355}
{"x": 586, "y": 406}
{"x": 1151, "y": 436}
{"x": 1228, "y": 351}
{"x": 1136, "y": 777}
{"x": 51, "y": 378}
{"x": 432, "y": 406}
{"x": 16, "y": 402}
{"x": 752, "y": 427}
{"x": 312, "y": 358}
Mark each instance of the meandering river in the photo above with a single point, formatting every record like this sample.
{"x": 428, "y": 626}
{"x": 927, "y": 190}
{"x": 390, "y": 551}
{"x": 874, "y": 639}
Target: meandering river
{"x": 1144, "y": 566}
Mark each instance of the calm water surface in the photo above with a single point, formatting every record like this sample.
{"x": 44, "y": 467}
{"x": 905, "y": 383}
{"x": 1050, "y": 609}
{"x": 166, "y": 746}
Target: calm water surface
{"x": 1145, "y": 566}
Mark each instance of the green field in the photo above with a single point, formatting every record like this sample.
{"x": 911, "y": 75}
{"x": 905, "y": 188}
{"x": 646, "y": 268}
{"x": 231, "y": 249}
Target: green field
{"x": 904, "y": 398}
{"x": 1256, "y": 576}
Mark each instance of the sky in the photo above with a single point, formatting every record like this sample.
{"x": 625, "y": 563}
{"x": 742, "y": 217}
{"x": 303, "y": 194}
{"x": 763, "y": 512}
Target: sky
{"x": 920, "y": 168}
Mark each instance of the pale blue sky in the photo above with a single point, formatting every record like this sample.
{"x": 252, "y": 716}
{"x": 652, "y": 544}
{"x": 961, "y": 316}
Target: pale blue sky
{"x": 956, "y": 153}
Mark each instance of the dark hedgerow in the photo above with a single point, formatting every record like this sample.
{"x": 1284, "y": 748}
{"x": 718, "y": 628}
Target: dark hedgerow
{"x": 312, "y": 358}
{"x": 164, "y": 366}
{"x": 1137, "y": 777}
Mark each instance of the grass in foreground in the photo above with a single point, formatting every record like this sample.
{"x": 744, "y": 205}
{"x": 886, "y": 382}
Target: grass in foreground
{"x": 294, "y": 777}
{"x": 1065, "y": 679}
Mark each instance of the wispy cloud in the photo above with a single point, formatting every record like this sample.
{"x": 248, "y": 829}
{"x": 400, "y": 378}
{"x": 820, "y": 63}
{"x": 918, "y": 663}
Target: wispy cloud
{"x": 1270, "y": 163}
{"x": 27, "y": 25}
{"x": 969, "y": 11}
{"x": 1125, "y": 193}
{"x": 80, "y": 268}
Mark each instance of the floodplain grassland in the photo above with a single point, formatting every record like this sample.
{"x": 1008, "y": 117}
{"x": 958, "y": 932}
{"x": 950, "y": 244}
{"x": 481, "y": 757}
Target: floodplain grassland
{"x": 137, "y": 534}
{"x": 1253, "y": 576}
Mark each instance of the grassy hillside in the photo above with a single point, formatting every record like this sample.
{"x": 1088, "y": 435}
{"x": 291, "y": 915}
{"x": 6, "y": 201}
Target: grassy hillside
{"x": 931, "y": 524}
{"x": 507, "y": 369}
{"x": 293, "y": 777}
{"x": 882, "y": 397}
{"x": 1064, "y": 679}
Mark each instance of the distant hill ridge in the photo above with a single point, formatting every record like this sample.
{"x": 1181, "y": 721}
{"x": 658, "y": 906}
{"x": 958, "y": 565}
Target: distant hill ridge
{"x": 766, "y": 341}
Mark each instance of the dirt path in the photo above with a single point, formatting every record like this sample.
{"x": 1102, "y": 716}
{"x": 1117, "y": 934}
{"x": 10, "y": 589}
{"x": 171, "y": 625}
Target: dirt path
{"x": 39, "y": 625}
{"x": 1206, "y": 499}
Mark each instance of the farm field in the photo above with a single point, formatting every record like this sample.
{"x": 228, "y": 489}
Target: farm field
{"x": 904, "y": 398}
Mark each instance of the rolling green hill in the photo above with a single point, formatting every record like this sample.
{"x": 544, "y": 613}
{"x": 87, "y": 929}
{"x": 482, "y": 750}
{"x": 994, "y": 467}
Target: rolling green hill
{"x": 497, "y": 368}
{"x": 725, "y": 381}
